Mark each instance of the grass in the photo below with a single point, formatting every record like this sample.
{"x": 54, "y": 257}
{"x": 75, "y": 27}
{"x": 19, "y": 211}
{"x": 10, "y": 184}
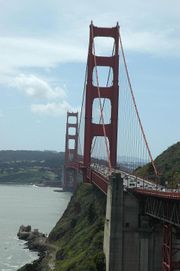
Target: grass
{"x": 168, "y": 166}
{"x": 78, "y": 235}
{"x": 27, "y": 176}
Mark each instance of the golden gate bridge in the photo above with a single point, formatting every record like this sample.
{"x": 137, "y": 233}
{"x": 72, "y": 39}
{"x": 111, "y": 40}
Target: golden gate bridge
{"x": 109, "y": 139}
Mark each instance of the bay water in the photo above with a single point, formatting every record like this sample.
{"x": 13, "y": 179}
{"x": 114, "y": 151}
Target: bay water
{"x": 39, "y": 207}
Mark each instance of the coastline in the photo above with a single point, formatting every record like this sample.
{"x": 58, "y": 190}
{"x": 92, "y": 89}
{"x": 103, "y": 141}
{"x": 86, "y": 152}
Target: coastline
{"x": 25, "y": 204}
{"x": 76, "y": 241}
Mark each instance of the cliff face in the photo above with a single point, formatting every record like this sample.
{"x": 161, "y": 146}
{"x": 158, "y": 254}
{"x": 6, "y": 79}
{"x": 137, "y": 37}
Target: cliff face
{"x": 76, "y": 242}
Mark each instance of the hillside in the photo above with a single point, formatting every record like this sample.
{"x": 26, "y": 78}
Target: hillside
{"x": 76, "y": 242}
{"x": 31, "y": 167}
{"x": 168, "y": 166}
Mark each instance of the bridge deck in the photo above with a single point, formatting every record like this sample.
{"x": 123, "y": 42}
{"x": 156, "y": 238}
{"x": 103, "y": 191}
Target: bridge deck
{"x": 100, "y": 177}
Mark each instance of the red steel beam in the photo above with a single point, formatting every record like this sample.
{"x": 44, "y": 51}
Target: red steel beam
{"x": 167, "y": 248}
{"x": 92, "y": 92}
{"x": 70, "y": 163}
{"x": 159, "y": 194}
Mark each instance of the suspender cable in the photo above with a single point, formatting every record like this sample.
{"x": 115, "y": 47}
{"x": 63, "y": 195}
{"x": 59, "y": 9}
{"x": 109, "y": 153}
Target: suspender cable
{"x": 83, "y": 99}
{"x": 134, "y": 102}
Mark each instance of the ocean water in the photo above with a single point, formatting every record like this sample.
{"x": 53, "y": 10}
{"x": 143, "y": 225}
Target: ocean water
{"x": 40, "y": 207}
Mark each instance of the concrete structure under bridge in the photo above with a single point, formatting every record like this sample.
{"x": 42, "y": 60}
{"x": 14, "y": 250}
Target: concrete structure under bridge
{"x": 133, "y": 238}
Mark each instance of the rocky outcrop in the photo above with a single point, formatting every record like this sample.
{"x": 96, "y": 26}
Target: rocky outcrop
{"x": 76, "y": 242}
{"x": 35, "y": 240}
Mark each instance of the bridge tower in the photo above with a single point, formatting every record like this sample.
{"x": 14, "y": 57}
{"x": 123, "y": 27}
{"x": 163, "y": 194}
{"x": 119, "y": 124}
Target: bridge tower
{"x": 71, "y": 143}
{"x": 93, "y": 92}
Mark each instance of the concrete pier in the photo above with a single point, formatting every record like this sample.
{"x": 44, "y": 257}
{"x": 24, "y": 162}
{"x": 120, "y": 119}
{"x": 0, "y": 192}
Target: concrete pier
{"x": 132, "y": 241}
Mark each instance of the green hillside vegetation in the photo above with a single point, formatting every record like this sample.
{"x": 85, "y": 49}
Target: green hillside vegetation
{"x": 76, "y": 242}
{"x": 31, "y": 167}
{"x": 168, "y": 166}
{"x": 24, "y": 155}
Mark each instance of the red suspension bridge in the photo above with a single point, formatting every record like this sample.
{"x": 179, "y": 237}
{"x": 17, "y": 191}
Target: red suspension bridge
{"x": 110, "y": 139}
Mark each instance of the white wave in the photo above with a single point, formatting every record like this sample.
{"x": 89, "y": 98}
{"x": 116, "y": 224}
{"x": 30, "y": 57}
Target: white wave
{"x": 15, "y": 237}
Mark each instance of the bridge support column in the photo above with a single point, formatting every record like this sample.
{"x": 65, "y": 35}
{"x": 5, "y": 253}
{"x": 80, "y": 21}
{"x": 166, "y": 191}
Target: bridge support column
{"x": 132, "y": 240}
{"x": 144, "y": 250}
{"x": 176, "y": 249}
{"x": 113, "y": 232}
{"x": 167, "y": 247}
{"x": 150, "y": 238}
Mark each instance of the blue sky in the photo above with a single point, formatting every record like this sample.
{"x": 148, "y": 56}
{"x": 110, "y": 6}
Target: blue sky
{"x": 43, "y": 51}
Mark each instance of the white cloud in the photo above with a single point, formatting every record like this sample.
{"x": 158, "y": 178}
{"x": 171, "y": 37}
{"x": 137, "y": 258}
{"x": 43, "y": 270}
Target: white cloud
{"x": 38, "y": 52}
{"x": 36, "y": 87}
{"x": 19, "y": 53}
{"x": 52, "y": 109}
{"x": 164, "y": 43}
{"x": 145, "y": 28}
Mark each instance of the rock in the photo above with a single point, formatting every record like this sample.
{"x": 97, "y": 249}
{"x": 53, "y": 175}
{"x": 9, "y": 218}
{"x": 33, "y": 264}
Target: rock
{"x": 24, "y": 232}
{"x": 36, "y": 240}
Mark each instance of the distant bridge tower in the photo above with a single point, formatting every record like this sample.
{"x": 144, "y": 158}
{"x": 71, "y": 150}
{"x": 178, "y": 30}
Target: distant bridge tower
{"x": 100, "y": 92}
{"x": 71, "y": 143}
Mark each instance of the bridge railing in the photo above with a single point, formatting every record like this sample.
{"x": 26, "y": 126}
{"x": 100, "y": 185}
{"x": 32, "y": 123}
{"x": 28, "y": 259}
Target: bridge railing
{"x": 131, "y": 181}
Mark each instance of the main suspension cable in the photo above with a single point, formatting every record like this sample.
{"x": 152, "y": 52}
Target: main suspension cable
{"x": 83, "y": 99}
